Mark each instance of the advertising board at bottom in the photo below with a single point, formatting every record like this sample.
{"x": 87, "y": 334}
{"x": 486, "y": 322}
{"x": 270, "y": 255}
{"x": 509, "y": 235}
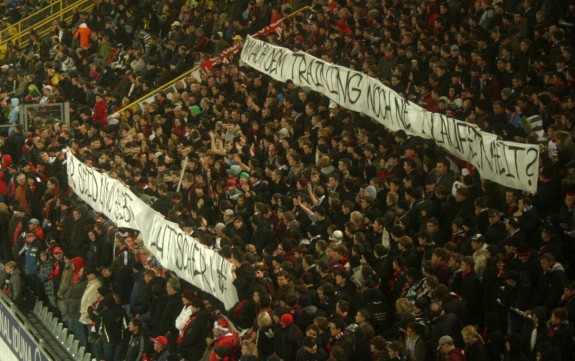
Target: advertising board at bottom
{"x": 16, "y": 343}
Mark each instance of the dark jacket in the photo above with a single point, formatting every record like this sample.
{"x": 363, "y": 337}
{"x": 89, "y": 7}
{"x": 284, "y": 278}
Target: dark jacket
{"x": 98, "y": 254}
{"x": 288, "y": 341}
{"x": 303, "y": 355}
{"x": 444, "y": 324}
{"x": 471, "y": 291}
{"x": 141, "y": 296}
{"x": 245, "y": 281}
{"x": 193, "y": 340}
{"x": 113, "y": 324}
{"x": 168, "y": 320}
{"x": 12, "y": 284}
{"x": 135, "y": 348}
{"x": 162, "y": 355}
{"x": 78, "y": 237}
{"x": 551, "y": 286}
{"x": 75, "y": 293}
{"x": 562, "y": 338}
{"x": 265, "y": 340}
{"x": 476, "y": 351}
{"x": 163, "y": 205}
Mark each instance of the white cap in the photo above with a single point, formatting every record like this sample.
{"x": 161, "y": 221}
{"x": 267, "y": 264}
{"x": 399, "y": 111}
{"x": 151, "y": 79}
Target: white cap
{"x": 337, "y": 236}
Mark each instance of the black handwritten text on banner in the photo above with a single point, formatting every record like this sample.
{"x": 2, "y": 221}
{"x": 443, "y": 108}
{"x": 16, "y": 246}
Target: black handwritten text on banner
{"x": 175, "y": 250}
{"x": 511, "y": 164}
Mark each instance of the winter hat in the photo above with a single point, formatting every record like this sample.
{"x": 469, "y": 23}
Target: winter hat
{"x": 222, "y": 325}
{"x": 188, "y": 295}
{"x": 286, "y": 320}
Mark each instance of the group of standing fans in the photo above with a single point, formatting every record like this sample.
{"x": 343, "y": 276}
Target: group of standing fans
{"x": 347, "y": 241}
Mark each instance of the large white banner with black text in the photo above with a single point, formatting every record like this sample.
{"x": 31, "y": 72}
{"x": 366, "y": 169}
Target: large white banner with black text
{"x": 508, "y": 163}
{"x": 175, "y": 250}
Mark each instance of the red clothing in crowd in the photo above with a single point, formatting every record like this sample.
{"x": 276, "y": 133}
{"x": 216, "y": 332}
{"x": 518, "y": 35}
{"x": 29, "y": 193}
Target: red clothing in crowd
{"x": 100, "y": 113}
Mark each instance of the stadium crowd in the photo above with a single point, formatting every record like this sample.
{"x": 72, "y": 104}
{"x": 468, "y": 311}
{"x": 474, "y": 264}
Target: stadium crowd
{"x": 347, "y": 240}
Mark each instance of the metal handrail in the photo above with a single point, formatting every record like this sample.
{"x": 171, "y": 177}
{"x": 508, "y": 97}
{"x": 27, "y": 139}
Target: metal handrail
{"x": 25, "y": 26}
{"x": 185, "y": 74}
{"x": 26, "y": 325}
{"x": 17, "y": 25}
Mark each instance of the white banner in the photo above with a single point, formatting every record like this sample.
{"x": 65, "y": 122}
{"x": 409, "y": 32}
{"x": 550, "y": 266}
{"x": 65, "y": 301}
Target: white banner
{"x": 511, "y": 164}
{"x": 176, "y": 251}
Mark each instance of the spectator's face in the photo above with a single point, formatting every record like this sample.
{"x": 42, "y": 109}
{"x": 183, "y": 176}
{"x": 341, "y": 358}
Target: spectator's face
{"x": 132, "y": 328}
{"x": 568, "y": 293}
{"x": 509, "y": 197}
{"x": 359, "y": 318}
{"x": 493, "y": 219}
{"x": 554, "y": 320}
{"x": 333, "y": 330}
{"x": 440, "y": 168}
{"x": 105, "y": 273}
{"x": 476, "y": 245}
{"x": 545, "y": 265}
{"x": 452, "y": 263}
{"x": 158, "y": 346}
{"x": 311, "y": 333}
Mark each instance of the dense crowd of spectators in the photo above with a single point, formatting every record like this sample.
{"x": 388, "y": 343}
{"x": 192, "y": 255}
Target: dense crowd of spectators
{"x": 347, "y": 240}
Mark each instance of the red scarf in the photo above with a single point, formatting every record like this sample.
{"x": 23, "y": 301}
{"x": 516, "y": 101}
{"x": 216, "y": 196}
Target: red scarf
{"x": 55, "y": 270}
{"x": 181, "y": 336}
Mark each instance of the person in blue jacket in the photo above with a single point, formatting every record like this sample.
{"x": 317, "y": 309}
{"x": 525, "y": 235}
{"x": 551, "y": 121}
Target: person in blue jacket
{"x": 29, "y": 254}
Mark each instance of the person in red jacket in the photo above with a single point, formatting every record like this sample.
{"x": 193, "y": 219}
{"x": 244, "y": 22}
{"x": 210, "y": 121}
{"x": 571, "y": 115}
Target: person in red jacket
{"x": 83, "y": 35}
{"x": 100, "y": 113}
{"x": 224, "y": 337}
{"x": 448, "y": 349}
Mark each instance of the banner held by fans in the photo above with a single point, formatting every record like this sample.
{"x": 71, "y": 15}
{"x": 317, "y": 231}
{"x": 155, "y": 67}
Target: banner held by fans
{"x": 175, "y": 250}
{"x": 511, "y": 164}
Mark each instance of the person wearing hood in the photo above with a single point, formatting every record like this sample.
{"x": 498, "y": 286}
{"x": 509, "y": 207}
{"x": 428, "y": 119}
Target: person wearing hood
{"x": 552, "y": 282}
{"x": 74, "y": 297}
{"x": 307, "y": 314}
{"x": 82, "y": 35}
{"x": 34, "y": 94}
{"x": 70, "y": 276}
{"x": 538, "y": 334}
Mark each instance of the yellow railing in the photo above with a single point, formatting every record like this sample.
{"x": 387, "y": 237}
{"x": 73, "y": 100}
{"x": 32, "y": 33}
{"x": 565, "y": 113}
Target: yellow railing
{"x": 136, "y": 102}
{"x": 41, "y": 21}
